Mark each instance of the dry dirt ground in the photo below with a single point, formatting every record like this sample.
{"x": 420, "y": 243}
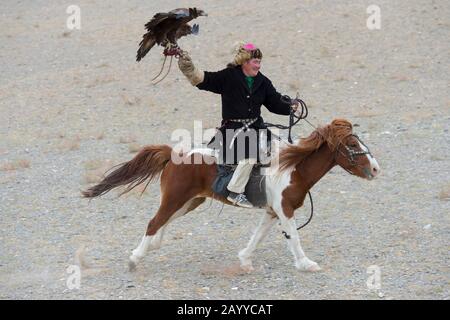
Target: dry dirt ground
{"x": 74, "y": 102}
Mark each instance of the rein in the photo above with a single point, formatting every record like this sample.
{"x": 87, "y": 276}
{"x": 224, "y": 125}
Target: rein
{"x": 309, "y": 219}
{"x": 351, "y": 153}
{"x": 293, "y": 118}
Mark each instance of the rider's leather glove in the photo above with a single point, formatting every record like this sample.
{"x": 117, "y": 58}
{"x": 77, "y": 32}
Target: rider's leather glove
{"x": 194, "y": 75}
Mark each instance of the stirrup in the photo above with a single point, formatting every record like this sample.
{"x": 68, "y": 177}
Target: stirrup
{"x": 240, "y": 200}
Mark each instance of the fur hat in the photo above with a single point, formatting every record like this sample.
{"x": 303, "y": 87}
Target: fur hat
{"x": 244, "y": 53}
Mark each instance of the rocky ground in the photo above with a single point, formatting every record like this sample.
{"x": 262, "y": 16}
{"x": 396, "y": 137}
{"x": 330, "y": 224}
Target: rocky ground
{"x": 74, "y": 102}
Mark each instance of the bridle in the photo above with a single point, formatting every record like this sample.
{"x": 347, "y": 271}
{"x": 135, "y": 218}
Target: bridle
{"x": 350, "y": 154}
{"x": 353, "y": 154}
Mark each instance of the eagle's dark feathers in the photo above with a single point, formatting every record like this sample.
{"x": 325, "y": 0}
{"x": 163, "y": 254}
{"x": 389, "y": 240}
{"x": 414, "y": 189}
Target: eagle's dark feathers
{"x": 167, "y": 28}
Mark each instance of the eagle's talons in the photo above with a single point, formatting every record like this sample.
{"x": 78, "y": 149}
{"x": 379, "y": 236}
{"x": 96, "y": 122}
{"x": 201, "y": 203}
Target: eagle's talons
{"x": 172, "y": 50}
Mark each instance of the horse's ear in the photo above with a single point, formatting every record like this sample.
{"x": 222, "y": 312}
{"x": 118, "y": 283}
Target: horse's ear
{"x": 342, "y": 123}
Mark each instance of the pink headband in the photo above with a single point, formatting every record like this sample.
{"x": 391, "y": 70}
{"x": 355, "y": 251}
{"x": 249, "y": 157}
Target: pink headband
{"x": 249, "y": 46}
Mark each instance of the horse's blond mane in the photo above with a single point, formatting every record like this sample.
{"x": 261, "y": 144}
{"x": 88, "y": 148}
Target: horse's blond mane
{"x": 332, "y": 134}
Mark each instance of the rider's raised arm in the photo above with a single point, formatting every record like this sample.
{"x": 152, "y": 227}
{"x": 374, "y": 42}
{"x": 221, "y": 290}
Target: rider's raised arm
{"x": 273, "y": 101}
{"x": 214, "y": 81}
{"x": 204, "y": 80}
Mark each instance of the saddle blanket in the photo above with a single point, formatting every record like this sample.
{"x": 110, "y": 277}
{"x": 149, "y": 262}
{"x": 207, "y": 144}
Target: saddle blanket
{"x": 255, "y": 189}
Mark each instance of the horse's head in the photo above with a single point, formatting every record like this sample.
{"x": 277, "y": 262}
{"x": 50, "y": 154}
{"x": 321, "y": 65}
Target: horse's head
{"x": 353, "y": 155}
{"x": 347, "y": 150}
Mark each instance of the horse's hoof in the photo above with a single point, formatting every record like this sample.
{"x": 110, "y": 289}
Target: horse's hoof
{"x": 314, "y": 268}
{"x": 308, "y": 265}
{"x": 246, "y": 261}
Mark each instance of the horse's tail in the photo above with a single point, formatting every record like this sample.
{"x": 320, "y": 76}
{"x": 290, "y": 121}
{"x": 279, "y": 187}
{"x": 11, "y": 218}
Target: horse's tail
{"x": 147, "y": 164}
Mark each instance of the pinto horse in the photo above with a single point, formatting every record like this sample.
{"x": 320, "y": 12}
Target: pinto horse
{"x": 185, "y": 186}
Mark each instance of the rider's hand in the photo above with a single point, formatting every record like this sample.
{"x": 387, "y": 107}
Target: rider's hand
{"x": 185, "y": 62}
{"x": 295, "y": 105}
{"x": 185, "y": 58}
{"x": 194, "y": 75}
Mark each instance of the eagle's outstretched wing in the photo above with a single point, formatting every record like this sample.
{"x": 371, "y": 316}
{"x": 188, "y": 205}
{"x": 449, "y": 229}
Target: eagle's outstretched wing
{"x": 168, "y": 27}
{"x": 186, "y": 30}
{"x": 155, "y": 28}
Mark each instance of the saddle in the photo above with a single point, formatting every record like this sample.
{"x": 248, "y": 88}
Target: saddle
{"x": 255, "y": 190}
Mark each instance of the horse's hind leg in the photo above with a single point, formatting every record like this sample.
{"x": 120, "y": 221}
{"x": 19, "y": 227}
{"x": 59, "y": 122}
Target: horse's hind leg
{"x": 267, "y": 221}
{"x": 157, "y": 237}
{"x": 155, "y": 230}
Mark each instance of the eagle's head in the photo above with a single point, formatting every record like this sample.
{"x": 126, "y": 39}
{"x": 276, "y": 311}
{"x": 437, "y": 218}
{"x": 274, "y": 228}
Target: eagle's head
{"x": 199, "y": 12}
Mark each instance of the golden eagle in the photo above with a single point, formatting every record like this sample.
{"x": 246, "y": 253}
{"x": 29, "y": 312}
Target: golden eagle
{"x": 166, "y": 28}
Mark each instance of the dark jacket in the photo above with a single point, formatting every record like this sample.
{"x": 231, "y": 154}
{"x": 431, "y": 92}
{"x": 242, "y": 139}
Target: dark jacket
{"x": 240, "y": 102}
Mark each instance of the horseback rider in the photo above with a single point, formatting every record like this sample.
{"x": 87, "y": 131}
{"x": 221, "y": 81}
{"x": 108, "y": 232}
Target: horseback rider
{"x": 243, "y": 89}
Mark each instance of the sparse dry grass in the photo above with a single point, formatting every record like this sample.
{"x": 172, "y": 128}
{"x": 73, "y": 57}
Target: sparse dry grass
{"x": 416, "y": 116}
{"x": 131, "y": 101}
{"x": 311, "y": 104}
{"x": 169, "y": 284}
{"x": 101, "y": 80}
{"x": 103, "y": 65}
{"x": 93, "y": 176}
{"x": 358, "y": 64}
{"x": 15, "y": 165}
{"x": 70, "y": 144}
{"x": 230, "y": 271}
{"x": 95, "y": 164}
{"x": 128, "y": 139}
{"x": 325, "y": 52}
{"x": 444, "y": 195}
{"x": 368, "y": 113}
{"x": 8, "y": 178}
{"x": 100, "y": 136}
{"x": 202, "y": 291}
{"x": 414, "y": 66}
{"x": 340, "y": 79}
{"x": 400, "y": 77}
{"x": 95, "y": 170}
{"x": 134, "y": 147}
{"x": 294, "y": 85}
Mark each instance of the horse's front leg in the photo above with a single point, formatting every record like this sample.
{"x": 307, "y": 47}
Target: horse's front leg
{"x": 267, "y": 221}
{"x": 288, "y": 225}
